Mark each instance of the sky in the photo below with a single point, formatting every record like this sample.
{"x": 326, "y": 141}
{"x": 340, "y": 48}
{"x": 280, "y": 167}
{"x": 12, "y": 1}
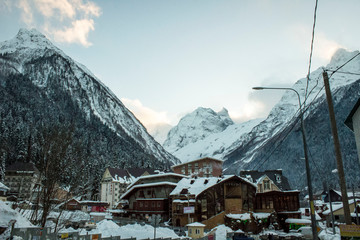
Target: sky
{"x": 165, "y": 58}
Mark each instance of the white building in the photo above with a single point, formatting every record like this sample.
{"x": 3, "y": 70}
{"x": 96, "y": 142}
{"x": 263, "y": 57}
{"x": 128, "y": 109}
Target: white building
{"x": 115, "y": 181}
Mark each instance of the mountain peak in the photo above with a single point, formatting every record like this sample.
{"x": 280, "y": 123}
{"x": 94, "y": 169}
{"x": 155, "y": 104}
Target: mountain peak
{"x": 26, "y": 39}
{"x": 340, "y": 57}
{"x": 196, "y": 125}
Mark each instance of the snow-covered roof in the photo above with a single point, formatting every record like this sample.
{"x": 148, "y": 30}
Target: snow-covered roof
{"x": 296, "y": 220}
{"x": 195, "y": 186}
{"x": 337, "y": 206}
{"x": 196, "y": 160}
{"x": 156, "y": 176}
{"x": 195, "y": 224}
{"x": 261, "y": 215}
{"x": 247, "y": 216}
{"x": 3, "y": 186}
{"x": 146, "y": 185}
{"x": 242, "y": 216}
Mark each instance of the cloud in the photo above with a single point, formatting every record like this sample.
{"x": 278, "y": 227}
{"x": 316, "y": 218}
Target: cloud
{"x": 27, "y": 13}
{"x": 146, "y": 116}
{"x": 68, "y": 21}
{"x": 77, "y": 32}
{"x": 324, "y": 47}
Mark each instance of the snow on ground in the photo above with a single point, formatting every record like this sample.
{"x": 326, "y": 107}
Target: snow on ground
{"x": 108, "y": 228}
{"x": 327, "y": 234}
{"x": 220, "y": 232}
{"x": 7, "y": 214}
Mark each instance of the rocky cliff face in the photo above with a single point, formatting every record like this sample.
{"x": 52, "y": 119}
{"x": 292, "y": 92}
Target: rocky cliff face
{"x": 196, "y": 126}
{"x": 40, "y": 85}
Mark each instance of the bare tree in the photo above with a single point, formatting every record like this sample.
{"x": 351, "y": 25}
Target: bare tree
{"x": 53, "y": 161}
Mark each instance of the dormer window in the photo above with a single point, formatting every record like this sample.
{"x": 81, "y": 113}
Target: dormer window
{"x": 192, "y": 181}
{"x": 266, "y": 185}
{"x": 184, "y": 191}
{"x": 278, "y": 178}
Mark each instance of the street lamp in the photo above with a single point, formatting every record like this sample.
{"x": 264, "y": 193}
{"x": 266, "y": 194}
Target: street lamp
{"x": 308, "y": 176}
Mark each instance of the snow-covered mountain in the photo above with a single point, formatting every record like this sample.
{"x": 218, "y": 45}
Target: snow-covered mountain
{"x": 276, "y": 141}
{"x": 196, "y": 126}
{"x": 39, "y": 82}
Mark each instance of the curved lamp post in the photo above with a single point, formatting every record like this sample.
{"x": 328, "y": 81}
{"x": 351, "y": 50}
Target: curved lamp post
{"x": 308, "y": 176}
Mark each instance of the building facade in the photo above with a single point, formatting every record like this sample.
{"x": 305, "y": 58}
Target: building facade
{"x": 115, "y": 181}
{"x": 353, "y": 122}
{"x": 148, "y": 196}
{"x": 204, "y": 167}
{"x": 207, "y": 200}
{"x": 22, "y": 179}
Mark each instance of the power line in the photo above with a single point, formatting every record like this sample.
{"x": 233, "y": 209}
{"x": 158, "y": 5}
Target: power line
{"x": 256, "y": 167}
{"x": 350, "y": 73}
{"x": 311, "y": 50}
{"x": 344, "y": 64}
{"x": 291, "y": 122}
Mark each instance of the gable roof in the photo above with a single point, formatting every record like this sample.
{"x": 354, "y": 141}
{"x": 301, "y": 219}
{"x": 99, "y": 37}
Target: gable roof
{"x": 156, "y": 176}
{"x": 196, "y": 160}
{"x": 195, "y": 186}
{"x": 128, "y": 175}
{"x": 255, "y": 176}
{"x": 137, "y": 172}
{"x": 145, "y": 185}
{"x": 119, "y": 172}
{"x": 3, "y": 186}
{"x": 21, "y": 167}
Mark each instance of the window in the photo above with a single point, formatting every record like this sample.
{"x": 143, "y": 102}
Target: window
{"x": 196, "y": 168}
{"x": 184, "y": 191}
{"x": 266, "y": 185}
{"x": 197, "y": 231}
{"x": 141, "y": 194}
{"x": 278, "y": 178}
{"x": 183, "y": 170}
{"x": 159, "y": 204}
{"x": 189, "y": 168}
{"x": 153, "y": 204}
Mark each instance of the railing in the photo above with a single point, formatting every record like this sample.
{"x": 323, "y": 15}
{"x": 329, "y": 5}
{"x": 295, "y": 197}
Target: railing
{"x": 44, "y": 234}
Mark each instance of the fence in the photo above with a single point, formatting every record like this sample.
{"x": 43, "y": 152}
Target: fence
{"x": 37, "y": 233}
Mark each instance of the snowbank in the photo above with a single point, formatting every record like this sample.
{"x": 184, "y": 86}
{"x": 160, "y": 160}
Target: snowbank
{"x": 108, "y": 228}
{"x": 220, "y": 232}
{"x": 7, "y": 214}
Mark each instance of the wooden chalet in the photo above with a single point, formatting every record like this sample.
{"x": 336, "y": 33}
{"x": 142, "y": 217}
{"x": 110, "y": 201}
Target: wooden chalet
{"x": 207, "y": 200}
{"x": 269, "y": 180}
{"x": 149, "y": 196}
{"x": 204, "y": 167}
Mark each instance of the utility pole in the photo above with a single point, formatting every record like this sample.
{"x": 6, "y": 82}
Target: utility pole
{"x": 339, "y": 161}
{"x": 306, "y": 158}
{"x": 355, "y": 206}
